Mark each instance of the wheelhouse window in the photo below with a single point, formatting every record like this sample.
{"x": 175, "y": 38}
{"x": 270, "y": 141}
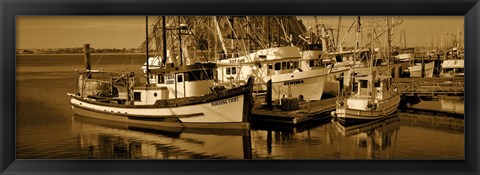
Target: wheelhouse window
{"x": 277, "y": 66}
{"x": 137, "y": 96}
{"x": 227, "y": 71}
{"x": 234, "y": 70}
{"x": 295, "y": 65}
{"x": 160, "y": 78}
{"x": 199, "y": 75}
{"x": 363, "y": 83}
{"x": 180, "y": 78}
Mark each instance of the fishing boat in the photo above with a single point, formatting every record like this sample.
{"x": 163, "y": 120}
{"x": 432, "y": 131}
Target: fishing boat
{"x": 369, "y": 96}
{"x": 373, "y": 98}
{"x": 173, "y": 96}
{"x": 284, "y": 66}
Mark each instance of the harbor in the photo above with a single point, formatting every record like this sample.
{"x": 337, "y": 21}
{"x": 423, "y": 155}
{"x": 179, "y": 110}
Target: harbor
{"x": 245, "y": 87}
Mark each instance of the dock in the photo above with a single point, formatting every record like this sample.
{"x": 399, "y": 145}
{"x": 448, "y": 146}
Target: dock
{"x": 430, "y": 86}
{"x": 308, "y": 111}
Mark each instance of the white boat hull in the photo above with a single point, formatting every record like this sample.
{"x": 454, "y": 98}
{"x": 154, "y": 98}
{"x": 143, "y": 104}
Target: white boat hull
{"x": 416, "y": 70}
{"x": 309, "y": 84}
{"x": 223, "y": 113}
{"x": 349, "y": 115}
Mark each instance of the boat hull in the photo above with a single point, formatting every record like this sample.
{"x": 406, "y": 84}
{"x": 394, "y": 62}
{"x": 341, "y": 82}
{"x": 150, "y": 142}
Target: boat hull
{"x": 309, "y": 84}
{"x": 332, "y": 85}
{"x": 347, "y": 115}
{"x": 416, "y": 70}
{"x": 228, "y": 112}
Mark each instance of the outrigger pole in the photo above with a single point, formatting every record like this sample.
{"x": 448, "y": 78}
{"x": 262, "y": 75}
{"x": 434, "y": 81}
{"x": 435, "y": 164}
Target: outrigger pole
{"x": 146, "y": 47}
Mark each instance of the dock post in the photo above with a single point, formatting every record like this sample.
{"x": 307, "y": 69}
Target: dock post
{"x": 268, "y": 99}
{"x": 86, "y": 58}
{"x": 423, "y": 69}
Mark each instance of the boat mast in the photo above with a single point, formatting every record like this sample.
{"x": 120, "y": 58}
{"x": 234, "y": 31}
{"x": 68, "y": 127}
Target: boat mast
{"x": 219, "y": 32}
{"x": 164, "y": 38}
{"x": 337, "y": 44}
{"x": 356, "y": 39}
{"x": 370, "y": 64}
{"x": 389, "y": 42}
{"x": 146, "y": 47}
{"x": 180, "y": 42}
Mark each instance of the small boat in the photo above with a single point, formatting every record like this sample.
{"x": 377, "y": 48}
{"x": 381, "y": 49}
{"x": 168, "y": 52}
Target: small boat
{"x": 173, "y": 96}
{"x": 373, "y": 98}
{"x": 452, "y": 68}
{"x": 416, "y": 70}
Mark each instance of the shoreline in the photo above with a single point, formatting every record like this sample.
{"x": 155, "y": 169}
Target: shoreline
{"x": 35, "y": 54}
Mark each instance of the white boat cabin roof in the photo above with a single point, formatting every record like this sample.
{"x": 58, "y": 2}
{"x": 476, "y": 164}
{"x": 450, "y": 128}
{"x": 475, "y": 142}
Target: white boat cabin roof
{"x": 453, "y": 64}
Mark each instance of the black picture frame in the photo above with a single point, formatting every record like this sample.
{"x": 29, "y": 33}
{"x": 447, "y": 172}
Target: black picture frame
{"x": 10, "y": 8}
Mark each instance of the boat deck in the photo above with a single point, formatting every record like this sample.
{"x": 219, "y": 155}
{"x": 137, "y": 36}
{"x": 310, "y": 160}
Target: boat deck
{"x": 315, "y": 110}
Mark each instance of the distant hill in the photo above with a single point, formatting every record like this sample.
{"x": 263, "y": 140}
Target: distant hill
{"x": 76, "y": 50}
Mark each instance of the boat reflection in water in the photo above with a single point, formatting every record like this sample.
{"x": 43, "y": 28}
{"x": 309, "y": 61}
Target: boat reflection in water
{"x": 99, "y": 139}
{"x": 453, "y": 104}
{"x": 378, "y": 135}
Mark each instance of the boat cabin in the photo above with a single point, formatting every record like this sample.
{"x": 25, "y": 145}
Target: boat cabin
{"x": 365, "y": 96}
{"x": 381, "y": 87}
{"x": 176, "y": 82}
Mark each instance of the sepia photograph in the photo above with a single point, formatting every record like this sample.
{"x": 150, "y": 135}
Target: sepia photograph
{"x": 240, "y": 87}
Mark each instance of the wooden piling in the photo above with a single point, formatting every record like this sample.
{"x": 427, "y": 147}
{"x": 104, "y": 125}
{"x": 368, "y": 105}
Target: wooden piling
{"x": 268, "y": 98}
{"x": 86, "y": 58}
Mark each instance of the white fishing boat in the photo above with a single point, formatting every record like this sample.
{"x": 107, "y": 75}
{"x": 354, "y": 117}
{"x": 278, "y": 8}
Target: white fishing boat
{"x": 416, "y": 69}
{"x": 283, "y": 65}
{"x": 173, "y": 96}
{"x": 452, "y": 68}
{"x": 368, "y": 94}
{"x": 373, "y": 98}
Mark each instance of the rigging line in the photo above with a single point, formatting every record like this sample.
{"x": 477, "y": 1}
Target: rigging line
{"x": 282, "y": 27}
{"x": 244, "y": 47}
{"x": 348, "y": 32}
{"x": 195, "y": 38}
{"x": 255, "y": 33}
{"x": 204, "y": 56}
{"x": 368, "y": 44}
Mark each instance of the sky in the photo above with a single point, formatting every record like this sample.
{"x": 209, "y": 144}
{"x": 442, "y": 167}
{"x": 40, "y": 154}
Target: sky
{"x": 37, "y": 32}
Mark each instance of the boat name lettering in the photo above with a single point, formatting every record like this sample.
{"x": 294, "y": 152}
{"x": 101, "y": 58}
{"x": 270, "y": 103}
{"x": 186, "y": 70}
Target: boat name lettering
{"x": 293, "y": 82}
{"x": 224, "y": 102}
{"x": 237, "y": 61}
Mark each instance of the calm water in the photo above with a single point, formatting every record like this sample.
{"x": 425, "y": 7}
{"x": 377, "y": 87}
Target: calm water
{"x": 47, "y": 127}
